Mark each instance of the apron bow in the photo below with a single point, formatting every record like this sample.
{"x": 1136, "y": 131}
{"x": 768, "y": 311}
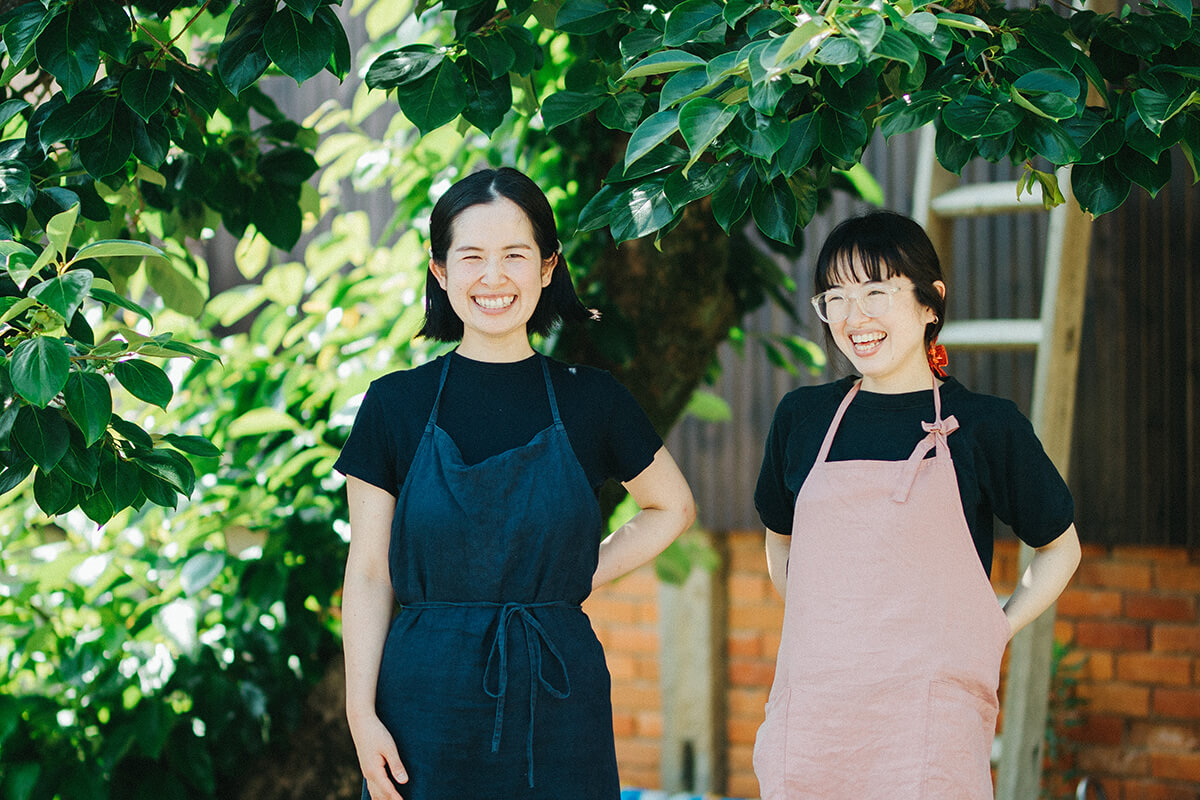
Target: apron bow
{"x": 935, "y": 436}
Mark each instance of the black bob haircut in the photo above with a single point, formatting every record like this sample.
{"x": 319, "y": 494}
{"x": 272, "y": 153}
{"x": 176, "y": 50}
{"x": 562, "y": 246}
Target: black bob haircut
{"x": 881, "y": 245}
{"x": 558, "y": 301}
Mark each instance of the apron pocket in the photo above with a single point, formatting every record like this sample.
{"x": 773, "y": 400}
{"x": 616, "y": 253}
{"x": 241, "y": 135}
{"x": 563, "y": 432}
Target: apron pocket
{"x": 958, "y": 741}
{"x": 770, "y": 746}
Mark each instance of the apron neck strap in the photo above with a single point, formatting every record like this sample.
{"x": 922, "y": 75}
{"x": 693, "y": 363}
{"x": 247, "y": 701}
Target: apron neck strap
{"x": 837, "y": 420}
{"x": 437, "y": 400}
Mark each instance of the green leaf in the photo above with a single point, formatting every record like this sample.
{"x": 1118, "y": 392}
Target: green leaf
{"x": 261, "y": 420}
{"x": 145, "y": 90}
{"x": 168, "y": 466}
{"x": 842, "y": 137}
{"x": 1048, "y": 81}
{"x": 52, "y": 491}
{"x": 39, "y": 369}
{"x": 398, "y": 67}
{"x": 65, "y": 293}
{"x": 306, "y": 8}
{"x": 663, "y": 62}
{"x": 708, "y": 407}
{"x": 112, "y": 248}
{"x": 243, "y": 57}
{"x": 200, "y": 571}
{"x": 275, "y": 212}
{"x": 866, "y": 30}
{"x": 298, "y": 46}
{"x": 641, "y": 211}
{"x": 773, "y": 207}
{"x": 689, "y": 19}
{"x": 621, "y": 112}
{"x": 1099, "y": 188}
{"x": 291, "y": 166}
{"x": 1049, "y": 140}
{"x": 144, "y": 381}
{"x": 964, "y": 22}
{"x": 80, "y": 463}
{"x": 897, "y": 47}
{"x": 340, "y": 59}
{"x": 732, "y": 200}
{"x": 22, "y": 27}
{"x": 16, "y": 184}
{"x": 107, "y": 151}
{"x": 838, "y": 51}
{"x": 493, "y": 52}
{"x": 804, "y": 137}
{"x": 119, "y": 479}
{"x": 562, "y": 107}
{"x": 180, "y": 292}
{"x": 84, "y": 116}
{"x": 89, "y": 402}
{"x": 864, "y": 183}
{"x": 43, "y": 435}
{"x": 701, "y": 121}
{"x": 196, "y": 445}
{"x": 596, "y": 212}
{"x": 69, "y": 50}
{"x": 11, "y": 477}
{"x": 59, "y": 228}
{"x": 973, "y": 117}
{"x": 434, "y": 99}
{"x": 907, "y": 114}
{"x": 654, "y": 130}
{"x": 197, "y": 85}
{"x": 585, "y": 17}
{"x": 112, "y": 298}
{"x": 701, "y": 181}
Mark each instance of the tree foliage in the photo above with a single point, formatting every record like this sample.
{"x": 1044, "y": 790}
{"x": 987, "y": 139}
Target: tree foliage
{"x": 123, "y": 124}
{"x": 752, "y": 107}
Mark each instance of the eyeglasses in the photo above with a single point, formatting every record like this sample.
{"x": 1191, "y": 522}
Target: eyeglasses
{"x": 874, "y": 300}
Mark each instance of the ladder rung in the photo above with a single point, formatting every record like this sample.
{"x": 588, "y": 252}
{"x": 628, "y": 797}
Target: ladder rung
{"x": 992, "y": 334}
{"x": 978, "y": 199}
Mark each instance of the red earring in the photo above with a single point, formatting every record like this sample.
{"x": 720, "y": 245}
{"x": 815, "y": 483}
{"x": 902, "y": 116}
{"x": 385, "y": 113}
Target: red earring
{"x": 938, "y": 360}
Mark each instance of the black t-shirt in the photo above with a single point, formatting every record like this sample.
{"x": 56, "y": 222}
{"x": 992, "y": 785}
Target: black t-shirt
{"x": 489, "y": 408}
{"x": 1001, "y": 467}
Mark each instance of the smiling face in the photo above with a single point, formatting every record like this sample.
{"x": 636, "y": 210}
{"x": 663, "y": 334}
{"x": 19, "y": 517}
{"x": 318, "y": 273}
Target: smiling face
{"x": 493, "y": 275}
{"x": 888, "y": 350}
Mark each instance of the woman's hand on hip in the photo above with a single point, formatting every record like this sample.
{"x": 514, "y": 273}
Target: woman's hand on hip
{"x": 379, "y": 759}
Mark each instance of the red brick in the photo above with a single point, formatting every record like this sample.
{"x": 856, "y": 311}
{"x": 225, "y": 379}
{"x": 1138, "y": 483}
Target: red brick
{"x": 1176, "y": 638}
{"x": 621, "y": 665}
{"x": 1177, "y": 766}
{"x": 1154, "y": 668}
{"x": 749, "y": 587}
{"x": 1116, "y": 698}
{"x": 743, "y": 785}
{"x": 1112, "y": 635}
{"x": 751, "y": 673}
{"x": 1162, "y": 737}
{"x": 1150, "y": 790}
{"x": 1113, "y": 575}
{"x": 1114, "y": 761}
{"x": 645, "y": 777}
{"x": 1157, "y": 555}
{"x": 1164, "y": 608}
{"x": 1102, "y": 729}
{"x": 1178, "y": 577}
{"x": 1100, "y": 666}
{"x": 636, "y": 753}
{"x": 748, "y": 701}
{"x": 744, "y": 644}
{"x": 742, "y": 731}
{"x": 649, "y": 724}
{"x": 755, "y": 617}
{"x": 623, "y": 724}
{"x": 636, "y": 698}
{"x": 1177, "y": 703}
{"x": 1089, "y": 603}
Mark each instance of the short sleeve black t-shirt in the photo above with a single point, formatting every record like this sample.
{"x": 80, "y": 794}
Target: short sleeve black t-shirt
{"x": 489, "y": 408}
{"x": 1001, "y": 467}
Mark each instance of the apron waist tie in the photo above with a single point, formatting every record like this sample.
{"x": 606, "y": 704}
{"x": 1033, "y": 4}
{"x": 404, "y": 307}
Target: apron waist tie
{"x": 536, "y": 640}
{"x": 936, "y": 434}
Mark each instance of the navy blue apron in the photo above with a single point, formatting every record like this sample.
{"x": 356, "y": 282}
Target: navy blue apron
{"x": 493, "y": 683}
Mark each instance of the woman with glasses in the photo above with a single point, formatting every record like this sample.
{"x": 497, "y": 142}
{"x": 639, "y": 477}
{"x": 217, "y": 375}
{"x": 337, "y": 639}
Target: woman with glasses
{"x": 878, "y": 492}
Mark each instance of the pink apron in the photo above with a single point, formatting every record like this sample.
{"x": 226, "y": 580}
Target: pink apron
{"x": 885, "y": 686}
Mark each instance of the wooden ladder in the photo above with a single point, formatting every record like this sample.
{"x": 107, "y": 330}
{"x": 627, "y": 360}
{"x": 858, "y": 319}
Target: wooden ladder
{"x": 938, "y": 200}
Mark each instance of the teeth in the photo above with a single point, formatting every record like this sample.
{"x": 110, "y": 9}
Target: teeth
{"x": 494, "y": 303}
{"x": 867, "y": 338}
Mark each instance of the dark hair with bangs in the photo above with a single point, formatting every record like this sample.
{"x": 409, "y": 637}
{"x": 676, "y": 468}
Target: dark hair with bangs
{"x": 882, "y": 245}
{"x": 558, "y": 301}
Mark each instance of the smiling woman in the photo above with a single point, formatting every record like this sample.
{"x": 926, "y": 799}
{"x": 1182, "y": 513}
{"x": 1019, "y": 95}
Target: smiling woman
{"x": 892, "y": 638}
{"x": 473, "y": 485}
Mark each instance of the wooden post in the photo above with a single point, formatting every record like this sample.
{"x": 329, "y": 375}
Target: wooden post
{"x": 1026, "y": 697}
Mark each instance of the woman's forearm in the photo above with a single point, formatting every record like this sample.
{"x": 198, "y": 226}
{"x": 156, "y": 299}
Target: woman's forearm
{"x": 668, "y": 509}
{"x": 1044, "y": 580}
{"x": 778, "y": 546}
{"x": 367, "y": 604}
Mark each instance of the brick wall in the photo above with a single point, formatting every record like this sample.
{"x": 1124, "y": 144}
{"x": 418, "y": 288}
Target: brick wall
{"x": 1131, "y": 618}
